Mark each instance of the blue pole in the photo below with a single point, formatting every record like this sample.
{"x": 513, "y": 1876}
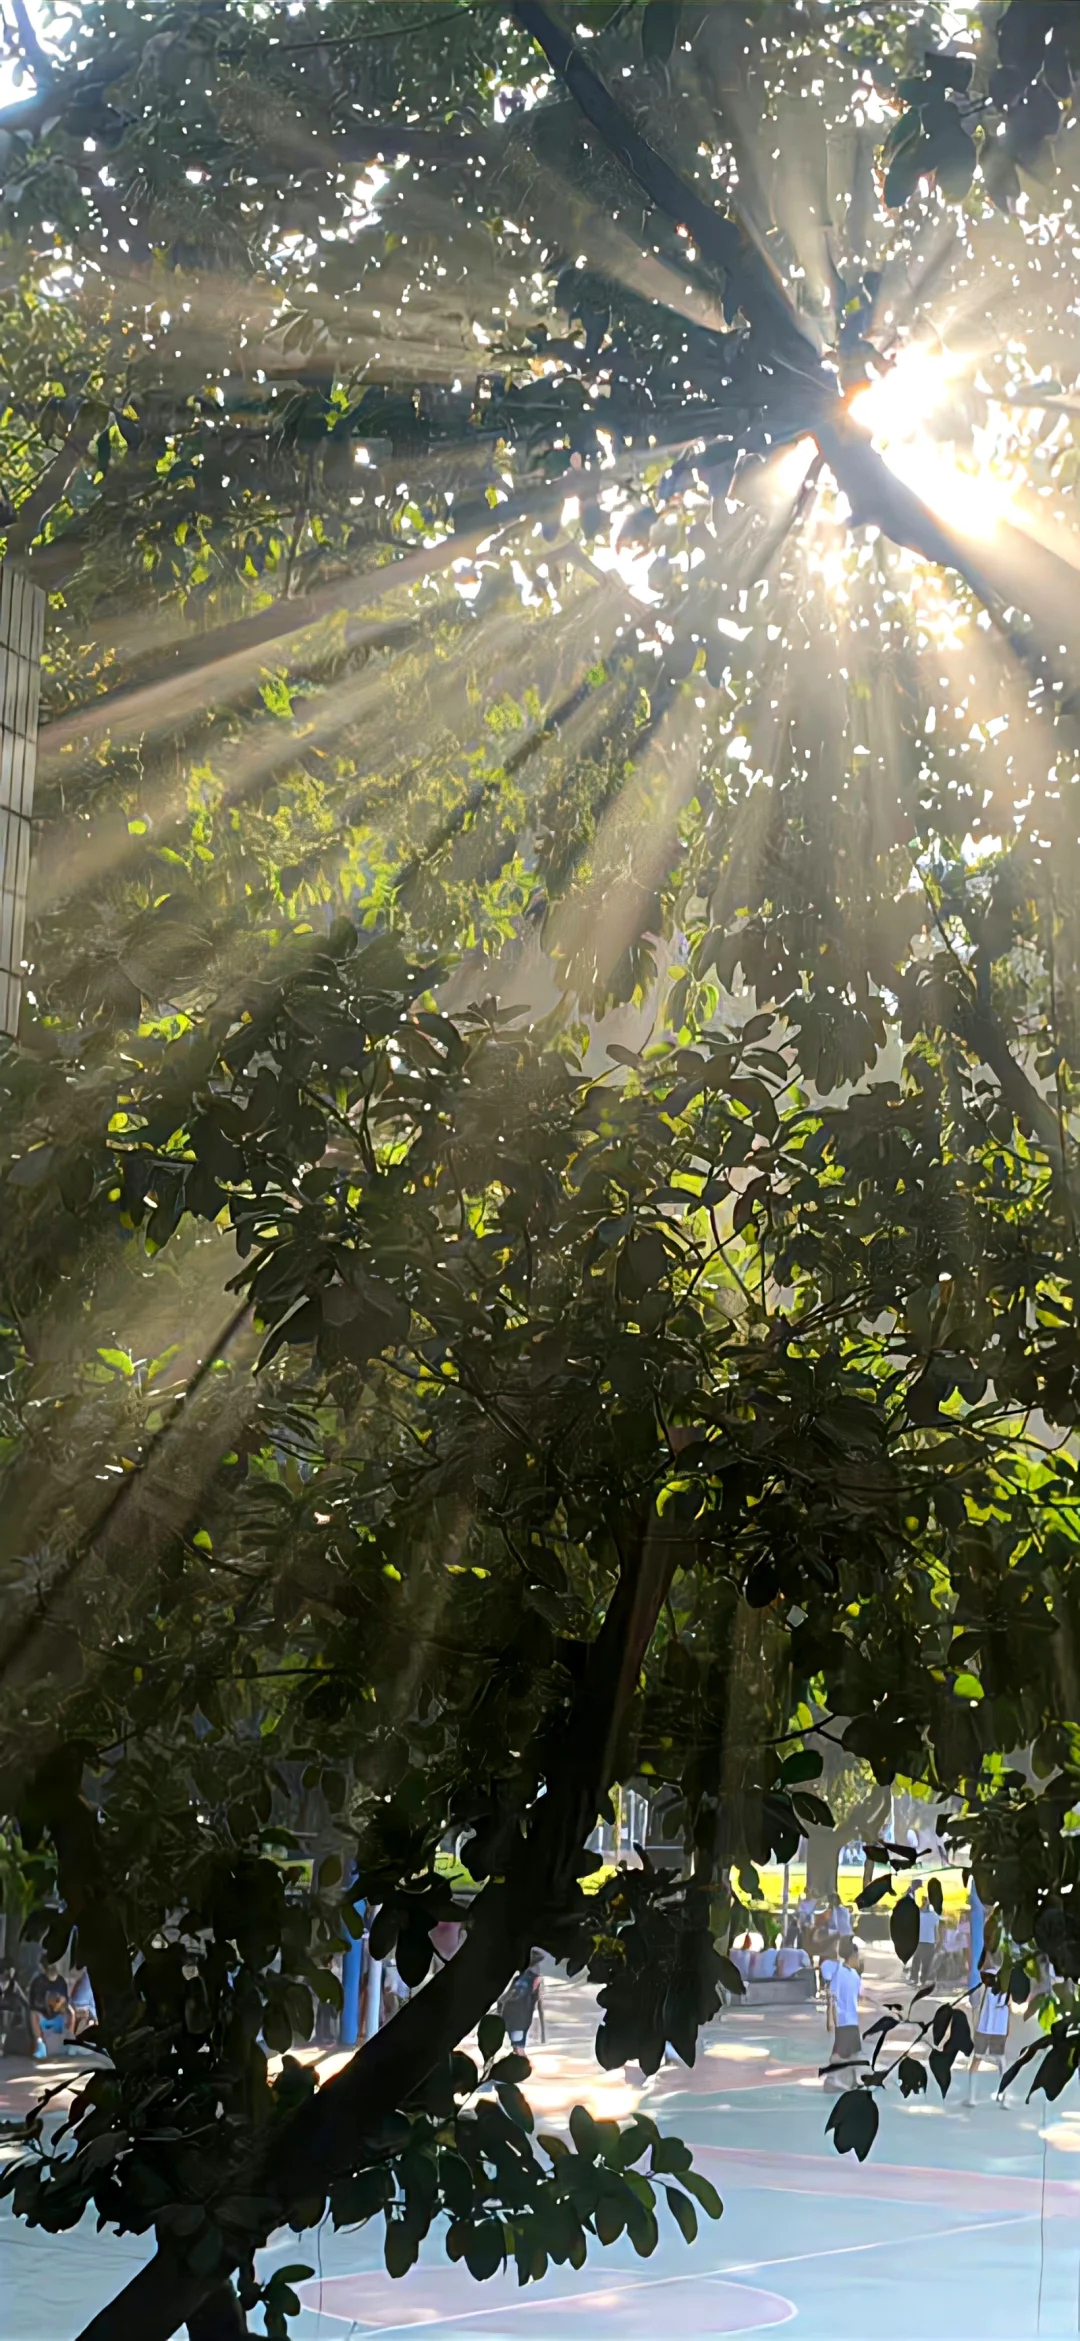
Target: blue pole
{"x": 351, "y": 1969}
{"x": 978, "y": 1935}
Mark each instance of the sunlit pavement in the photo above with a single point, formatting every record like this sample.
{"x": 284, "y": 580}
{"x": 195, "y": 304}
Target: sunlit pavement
{"x": 964, "y": 2224}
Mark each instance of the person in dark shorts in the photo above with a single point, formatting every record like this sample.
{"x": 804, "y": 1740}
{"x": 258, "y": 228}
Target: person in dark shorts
{"x": 990, "y": 2024}
{"x": 844, "y": 1989}
{"x": 50, "y": 2011}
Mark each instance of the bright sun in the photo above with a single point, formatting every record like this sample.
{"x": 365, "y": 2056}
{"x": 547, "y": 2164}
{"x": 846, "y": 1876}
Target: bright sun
{"x": 973, "y": 493}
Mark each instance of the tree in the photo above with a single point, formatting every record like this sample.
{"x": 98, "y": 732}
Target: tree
{"x": 859, "y": 1808}
{"x": 618, "y": 1410}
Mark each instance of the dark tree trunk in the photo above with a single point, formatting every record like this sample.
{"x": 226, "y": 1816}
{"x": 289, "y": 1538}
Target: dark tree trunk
{"x": 220, "y": 2318}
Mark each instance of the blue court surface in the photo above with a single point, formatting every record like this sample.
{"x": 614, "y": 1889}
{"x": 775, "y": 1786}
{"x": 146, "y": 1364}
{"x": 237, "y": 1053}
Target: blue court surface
{"x": 963, "y": 2225}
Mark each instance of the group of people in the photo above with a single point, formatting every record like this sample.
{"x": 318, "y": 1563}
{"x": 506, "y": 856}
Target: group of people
{"x": 820, "y": 1926}
{"x": 841, "y": 1976}
{"x": 943, "y": 1951}
{"x": 51, "y": 2013}
{"x": 759, "y": 1962}
{"x": 54, "y": 2012}
{"x": 820, "y": 1931}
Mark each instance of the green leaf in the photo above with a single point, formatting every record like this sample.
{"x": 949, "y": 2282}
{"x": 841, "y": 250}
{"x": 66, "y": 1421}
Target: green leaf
{"x": 874, "y": 1892}
{"x": 511, "y": 2068}
{"x": 904, "y": 1928}
{"x": 513, "y": 2103}
{"x": 609, "y": 2219}
{"x": 401, "y": 2247}
{"x": 490, "y": 2034}
{"x": 853, "y": 2123}
{"x": 812, "y": 1810}
{"x": 956, "y": 164}
{"x": 1000, "y": 175}
{"x": 705, "y": 2192}
{"x": 359, "y": 2196}
{"x": 584, "y": 2132}
{"x": 484, "y": 2249}
{"x": 912, "y": 162}
{"x": 947, "y": 72}
{"x": 683, "y": 2213}
{"x": 912, "y": 2076}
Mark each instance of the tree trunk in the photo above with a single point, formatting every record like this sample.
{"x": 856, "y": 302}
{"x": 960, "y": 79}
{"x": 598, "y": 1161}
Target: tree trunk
{"x": 873, "y": 491}
{"x": 823, "y": 1862}
{"x": 824, "y": 1846}
{"x": 220, "y": 2318}
{"x": 341, "y": 2124}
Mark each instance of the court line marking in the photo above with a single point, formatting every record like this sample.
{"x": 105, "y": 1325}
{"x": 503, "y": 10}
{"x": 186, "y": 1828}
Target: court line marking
{"x": 880, "y": 2244}
{"x": 633, "y": 2283}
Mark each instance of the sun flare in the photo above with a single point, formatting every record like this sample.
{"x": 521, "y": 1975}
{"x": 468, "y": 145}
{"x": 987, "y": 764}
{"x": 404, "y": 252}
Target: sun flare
{"x": 972, "y": 493}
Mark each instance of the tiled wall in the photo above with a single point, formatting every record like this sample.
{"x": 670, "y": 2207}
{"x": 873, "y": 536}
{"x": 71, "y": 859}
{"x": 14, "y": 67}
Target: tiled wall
{"x": 22, "y": 626}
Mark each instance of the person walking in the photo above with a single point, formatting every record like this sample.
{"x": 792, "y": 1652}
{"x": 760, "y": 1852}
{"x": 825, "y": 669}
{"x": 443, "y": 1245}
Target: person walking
{"x": 521, "y": 2003}
{"x": 992, "y": 2012}
{"x": 925, "y": 1952}
{"x": 16, "y": 2038}
{"x": 844, "y": 1990}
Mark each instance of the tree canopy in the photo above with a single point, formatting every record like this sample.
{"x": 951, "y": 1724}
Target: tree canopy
{"x": 540, "y": 1177}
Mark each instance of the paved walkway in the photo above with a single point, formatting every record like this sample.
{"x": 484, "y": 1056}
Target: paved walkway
{"x": 963, "y": 2225}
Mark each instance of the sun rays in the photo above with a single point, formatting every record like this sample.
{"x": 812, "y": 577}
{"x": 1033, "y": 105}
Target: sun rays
{"x": 515, "y": 697}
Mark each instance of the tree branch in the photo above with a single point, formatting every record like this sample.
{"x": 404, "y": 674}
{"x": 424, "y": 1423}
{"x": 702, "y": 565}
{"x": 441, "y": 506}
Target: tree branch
{"x": 36, "y": 57}
{"x": 343, "y": 2121}
{"x": 48, "y": 491}
{"x": 982, "y": 1033}
{"x": 877, "y": 497}
{"x": 873, "y": 492}
{"x": 754, "y": 286}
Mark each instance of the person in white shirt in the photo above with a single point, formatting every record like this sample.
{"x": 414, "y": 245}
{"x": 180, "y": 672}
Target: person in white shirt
{"x": 763, "y": 1965}
{"x": 844, "y": 1990}
{"x": 991, "y": 2024}
{"x": 842, "y": 1923}
{"x": 790, "y": 1961}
